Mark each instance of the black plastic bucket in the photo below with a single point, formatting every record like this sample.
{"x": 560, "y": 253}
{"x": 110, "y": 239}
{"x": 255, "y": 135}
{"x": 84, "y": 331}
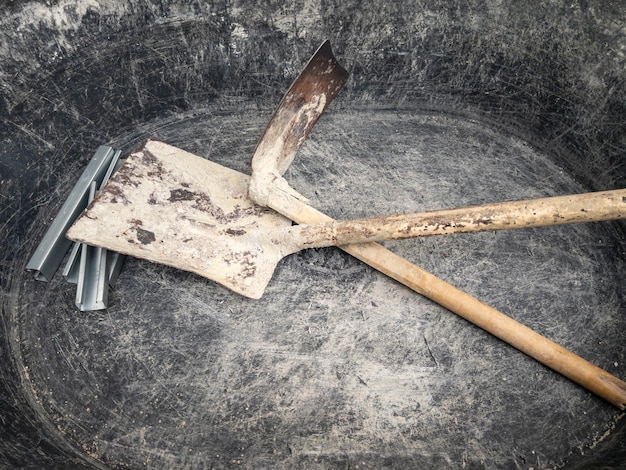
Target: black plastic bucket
{"x": 336, "y": 366}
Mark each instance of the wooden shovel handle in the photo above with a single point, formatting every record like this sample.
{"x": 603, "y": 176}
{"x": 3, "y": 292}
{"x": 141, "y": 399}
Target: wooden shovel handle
{"x": 588, "y": 207}
{"x": 488, "y": 318}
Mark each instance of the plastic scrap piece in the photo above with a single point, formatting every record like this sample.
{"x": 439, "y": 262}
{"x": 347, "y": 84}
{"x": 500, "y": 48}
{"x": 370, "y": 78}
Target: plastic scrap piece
{"x": 115, "y": 260}
{"x": 93, "y": 274}
{"x": 70, "y": 271}
{"x": 92, "y": 269}
{"x": 115, "y": 263}
{"x": 52, "y": 249}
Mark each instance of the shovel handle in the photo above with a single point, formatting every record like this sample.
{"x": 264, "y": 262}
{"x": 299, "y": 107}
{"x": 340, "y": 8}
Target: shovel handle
{"x": 588, "y": 207}
{"x": 480, "y": 314}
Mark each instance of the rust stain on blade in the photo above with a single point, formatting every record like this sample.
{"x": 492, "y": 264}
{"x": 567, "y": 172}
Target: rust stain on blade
{"x": 303, "y": 104}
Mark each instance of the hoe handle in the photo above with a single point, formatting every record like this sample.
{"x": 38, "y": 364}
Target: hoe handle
{"x": 588, "y": 207}
{"x": 488, "y": 318}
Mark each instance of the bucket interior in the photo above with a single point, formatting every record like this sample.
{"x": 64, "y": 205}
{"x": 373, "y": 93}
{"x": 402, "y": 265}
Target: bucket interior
{"x": 337, "y": 365}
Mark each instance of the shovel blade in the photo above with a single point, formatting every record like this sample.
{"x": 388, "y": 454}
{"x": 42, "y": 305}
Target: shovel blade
{"x": 172, "y": 207}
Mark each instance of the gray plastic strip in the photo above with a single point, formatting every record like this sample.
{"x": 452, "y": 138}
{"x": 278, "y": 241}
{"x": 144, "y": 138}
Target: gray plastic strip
{"x": 54, "y": 245}
{"x": 70, "y": 271}
{"x": 93, "y": 276}
{"x": 116, "y": 261}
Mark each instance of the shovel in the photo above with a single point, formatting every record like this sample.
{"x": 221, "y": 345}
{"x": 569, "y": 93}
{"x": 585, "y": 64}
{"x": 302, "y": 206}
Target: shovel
{"x": 171, "y": 207}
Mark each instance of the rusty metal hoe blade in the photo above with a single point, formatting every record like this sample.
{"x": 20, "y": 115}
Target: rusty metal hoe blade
{"x": 296, "y": 114}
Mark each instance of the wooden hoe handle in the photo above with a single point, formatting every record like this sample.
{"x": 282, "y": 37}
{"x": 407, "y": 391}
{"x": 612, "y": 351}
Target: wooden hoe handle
{"x": 495, "y": 322}
{"x": 480, "y": 314}
{"x": 318, "y": 83}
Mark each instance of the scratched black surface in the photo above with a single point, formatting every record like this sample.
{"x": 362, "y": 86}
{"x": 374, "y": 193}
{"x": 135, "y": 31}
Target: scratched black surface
{"x": 335, "y": 366}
